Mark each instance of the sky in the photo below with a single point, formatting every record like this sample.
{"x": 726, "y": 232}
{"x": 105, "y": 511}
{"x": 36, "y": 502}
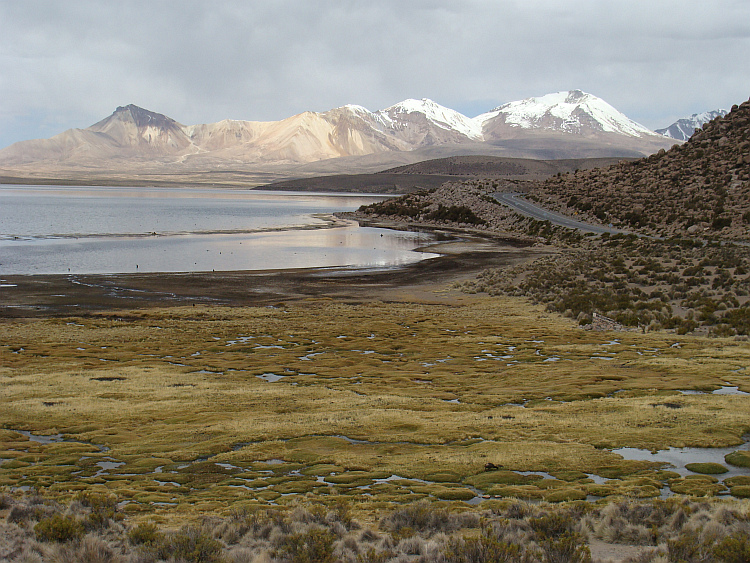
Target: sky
{"x": 66, "y": 64}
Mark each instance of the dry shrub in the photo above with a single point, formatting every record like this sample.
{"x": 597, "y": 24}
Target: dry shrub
{"x": 25, "y": 513}
{"x": 373, "y": 555}
{"x": 484, "y": 549}
{"x": 421, "y": 517}
{"x": 59, "y": 528}
{"x": 313, "y": 546}
{"x": 570, "y": 547}
{"x": 190, "y": 544}
{"x": 734, "y": 548}
{"x": 145, "y": 533}
{"x": 29, "y": 555}
{"x": 91, "y": 549}
{"x": 6, "y": 501}
{"x": 689, "y": 547}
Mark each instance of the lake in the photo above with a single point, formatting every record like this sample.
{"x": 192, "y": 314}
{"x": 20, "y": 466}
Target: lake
{"x": 55, "y": 230}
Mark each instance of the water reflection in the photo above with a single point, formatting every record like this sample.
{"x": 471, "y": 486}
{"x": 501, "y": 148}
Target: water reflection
{"x": 183, "y": 230}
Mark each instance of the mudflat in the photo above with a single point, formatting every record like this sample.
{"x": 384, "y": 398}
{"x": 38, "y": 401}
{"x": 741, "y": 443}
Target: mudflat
{"x": 73, "y": 294}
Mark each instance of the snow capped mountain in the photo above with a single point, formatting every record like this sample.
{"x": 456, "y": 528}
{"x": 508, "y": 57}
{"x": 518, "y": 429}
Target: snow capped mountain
{"x": 403, "y": 113}
{"x": 683, "y": 129}
{"x": 573, "y": 112}
{"x": 565, "y": 123}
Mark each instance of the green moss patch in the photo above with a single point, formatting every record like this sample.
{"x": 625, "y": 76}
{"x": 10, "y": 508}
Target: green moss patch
{"x": 697, "y": 487}
{"x": 738, "y": 458}
{"x": 740, "y": 491}
{"x": 737, "y": 480}
{"x": 707, "y": 468}
{"x": 503, "y": 477}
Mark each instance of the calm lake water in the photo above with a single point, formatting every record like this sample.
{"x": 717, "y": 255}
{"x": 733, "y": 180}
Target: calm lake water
{"x": 53, "y": 230}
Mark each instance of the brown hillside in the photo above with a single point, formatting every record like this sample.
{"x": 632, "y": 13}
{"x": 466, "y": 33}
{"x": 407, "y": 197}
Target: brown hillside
{"x": 700, "y": 188}
{"x": 502, "y": 167}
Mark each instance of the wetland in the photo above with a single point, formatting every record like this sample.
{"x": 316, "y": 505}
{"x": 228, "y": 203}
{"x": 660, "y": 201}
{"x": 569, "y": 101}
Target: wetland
{"x": 194, "y": 409}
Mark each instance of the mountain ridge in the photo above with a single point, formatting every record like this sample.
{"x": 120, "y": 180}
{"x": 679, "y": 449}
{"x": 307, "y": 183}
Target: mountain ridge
{"x": 142, "y": 137}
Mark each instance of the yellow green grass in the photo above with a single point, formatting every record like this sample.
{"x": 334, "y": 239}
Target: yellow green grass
{"x": 380, "y": 402}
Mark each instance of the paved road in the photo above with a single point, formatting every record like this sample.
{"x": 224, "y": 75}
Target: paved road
{"x": 518, "y": 203}
{"x": 524, "y": 207}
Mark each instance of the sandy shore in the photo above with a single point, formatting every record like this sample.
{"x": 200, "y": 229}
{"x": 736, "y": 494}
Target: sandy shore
{"x": 76, "y": 294}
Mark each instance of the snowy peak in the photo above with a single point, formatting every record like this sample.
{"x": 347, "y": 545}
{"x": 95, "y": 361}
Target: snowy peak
{"x": 568, "y": 112}
{"x": 435, "y": 114}
{"x": 683, "y": 129}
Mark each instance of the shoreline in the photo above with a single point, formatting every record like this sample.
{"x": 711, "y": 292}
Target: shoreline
{"x": 60, "y": 295}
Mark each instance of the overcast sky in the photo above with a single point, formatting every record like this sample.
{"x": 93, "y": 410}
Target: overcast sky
{"x": 70, "y": 63}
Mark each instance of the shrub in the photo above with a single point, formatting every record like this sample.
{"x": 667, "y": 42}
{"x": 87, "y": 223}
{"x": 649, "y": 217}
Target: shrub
{"x": 189, "y": 544}
{"x": 313, "y": 546}
{"x": 92, "y": 549}
{"x": 58, "y": 528}
{"x": 570, "y": 547}
{"x": 484, "y": 549}
{"x": 455, "y": 213}
{"x": 420, "y": 516}
{"x": 145, "y": 533}
{"x": 689, "y": 547}
{"x": 553, "y": 525}
{"x": 734, "y": 548}
{"x": 374, "y": 556}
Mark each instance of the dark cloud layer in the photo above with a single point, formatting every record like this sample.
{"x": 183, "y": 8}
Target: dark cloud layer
{"x": 69, "y": 64}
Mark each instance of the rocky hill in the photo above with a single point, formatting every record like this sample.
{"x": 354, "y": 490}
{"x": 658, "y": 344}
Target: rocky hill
{"x": 700, "y": 188}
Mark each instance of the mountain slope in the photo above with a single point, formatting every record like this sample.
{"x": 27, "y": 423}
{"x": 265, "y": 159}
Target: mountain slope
{"x": 683, "y": 129}
{"x": 700, "y": 188}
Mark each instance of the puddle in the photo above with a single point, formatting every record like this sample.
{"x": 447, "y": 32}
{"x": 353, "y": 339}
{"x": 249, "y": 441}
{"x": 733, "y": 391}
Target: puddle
{"x": 228, "y": 466}
{"x": 55, "y": 438}
{"x": 724, "y": 390}
{"x": 539, "y": 473}
{"x": 310, "y": 356}
{"x": 239, "y": 340}
{"x": 677, "y": 458}
{"x": 596, "y": 479}
{"x": 107, "y": 466}
{"x": 271, "y": 377}
{"x": 42, "y": 439}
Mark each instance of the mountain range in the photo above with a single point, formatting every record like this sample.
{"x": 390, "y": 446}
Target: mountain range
{"x": 683, "y": 129}
{"x": 570, "y": 124}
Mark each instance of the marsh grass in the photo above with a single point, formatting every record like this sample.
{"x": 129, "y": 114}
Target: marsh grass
{"x": 180, "y": 424}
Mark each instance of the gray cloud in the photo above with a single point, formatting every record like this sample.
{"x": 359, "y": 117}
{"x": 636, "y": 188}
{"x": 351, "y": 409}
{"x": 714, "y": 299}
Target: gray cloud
{"x": 69, "y": 64}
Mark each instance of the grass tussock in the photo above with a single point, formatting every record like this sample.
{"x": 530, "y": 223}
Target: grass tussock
{"x": 674, "y": 530}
